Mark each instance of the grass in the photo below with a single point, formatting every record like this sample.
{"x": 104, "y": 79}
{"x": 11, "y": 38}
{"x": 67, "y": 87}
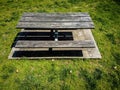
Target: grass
{"x": 73, "y": 74}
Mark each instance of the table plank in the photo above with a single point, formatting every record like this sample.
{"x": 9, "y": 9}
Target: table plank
{"x": 55, "y": 44}
{"x": 56, "y": 25}
{"x": 56, "y": 18}
{"x": 56, "y": 14}
{"x": 56, "y": 21}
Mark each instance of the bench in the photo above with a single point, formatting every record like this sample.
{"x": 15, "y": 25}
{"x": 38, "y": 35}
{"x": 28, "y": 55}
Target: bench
{"x": 53, "y": 44}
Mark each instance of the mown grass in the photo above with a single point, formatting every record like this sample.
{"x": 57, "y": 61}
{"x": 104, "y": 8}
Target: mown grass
{"x": 73, "y": 74}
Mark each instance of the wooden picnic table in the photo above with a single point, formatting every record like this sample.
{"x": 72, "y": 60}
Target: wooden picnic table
{"x": 56, "y": 22}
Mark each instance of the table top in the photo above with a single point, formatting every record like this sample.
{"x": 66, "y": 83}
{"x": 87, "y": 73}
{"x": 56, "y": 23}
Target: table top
{"x": 56, "y": 21}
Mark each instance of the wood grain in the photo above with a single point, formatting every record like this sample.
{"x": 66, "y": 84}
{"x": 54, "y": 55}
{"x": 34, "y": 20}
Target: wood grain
{"x": 56, "y": 18}
{"x": 56, "y": 25}
{"x": 56, "y": 14}
{"x": 55, "y": 44}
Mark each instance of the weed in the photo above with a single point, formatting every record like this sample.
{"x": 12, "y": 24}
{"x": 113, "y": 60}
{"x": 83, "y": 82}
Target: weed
{"x": 65, "y": 87}
{"x": 7, "y": 71}
{"x": 64, "y": 73}
{"x": 111, "y": 38}
{"x": 74, "y": 1}
{"x": 91, "y": 78}
{"x": 114, "y": 81}
{"x": 116, "y": 54}
{"x": 30, "y": 83}
{"x": 97, "y": 74}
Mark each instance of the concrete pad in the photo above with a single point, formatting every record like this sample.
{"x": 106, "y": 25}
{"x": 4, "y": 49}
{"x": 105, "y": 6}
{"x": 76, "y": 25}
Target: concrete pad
{"x": 80, "y": 34}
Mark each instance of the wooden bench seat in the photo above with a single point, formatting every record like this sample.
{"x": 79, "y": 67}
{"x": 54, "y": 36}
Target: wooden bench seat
{"x": 55, "y": 44}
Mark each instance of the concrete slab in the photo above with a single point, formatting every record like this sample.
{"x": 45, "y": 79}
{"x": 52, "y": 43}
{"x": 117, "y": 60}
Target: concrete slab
{"x": 80, "y": 34}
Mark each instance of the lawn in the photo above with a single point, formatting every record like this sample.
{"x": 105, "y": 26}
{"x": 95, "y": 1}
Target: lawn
{"x": 72, "y": 74}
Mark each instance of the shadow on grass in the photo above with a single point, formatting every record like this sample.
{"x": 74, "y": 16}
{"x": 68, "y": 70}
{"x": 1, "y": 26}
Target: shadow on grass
{"x": 92, "y": 78}
{"x": 117, "y": 1}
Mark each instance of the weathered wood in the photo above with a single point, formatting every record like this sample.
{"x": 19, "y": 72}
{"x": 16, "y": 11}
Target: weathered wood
{"x": 55, "y": 14}
{"x": 56, "y": 21}
{"x": 56, "y": 18}
{"x": 56, "y": 25}
{"x": 53, "y": 44}
{"x": 86, "y": 47}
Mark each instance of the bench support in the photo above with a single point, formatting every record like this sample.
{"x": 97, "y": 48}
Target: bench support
{"x": 50, "y": 49}
{"x": 56, "y": 35}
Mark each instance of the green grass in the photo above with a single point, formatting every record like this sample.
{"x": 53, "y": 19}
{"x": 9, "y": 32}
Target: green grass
{"x": 73, "y": 74}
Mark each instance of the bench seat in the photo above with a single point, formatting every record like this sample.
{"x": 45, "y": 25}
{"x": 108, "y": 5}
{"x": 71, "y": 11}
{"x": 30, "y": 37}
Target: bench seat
{"x": 55, "y": 44}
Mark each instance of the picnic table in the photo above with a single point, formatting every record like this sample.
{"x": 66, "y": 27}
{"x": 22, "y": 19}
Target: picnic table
{"x": 55, "y": 23}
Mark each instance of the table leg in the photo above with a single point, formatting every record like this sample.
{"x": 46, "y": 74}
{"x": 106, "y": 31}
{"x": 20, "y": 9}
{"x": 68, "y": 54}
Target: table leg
{"x": 50, "y": 49}
{"x": 52, "y": 34}
{"x": 56, "y": 35}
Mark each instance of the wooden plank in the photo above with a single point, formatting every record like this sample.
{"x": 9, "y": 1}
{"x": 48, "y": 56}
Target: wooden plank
{"x": 55, "y": 14}
{"x": 55, "y": 44}
{"x": 56, "y": 18}
{"x": 56, "y": 25}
